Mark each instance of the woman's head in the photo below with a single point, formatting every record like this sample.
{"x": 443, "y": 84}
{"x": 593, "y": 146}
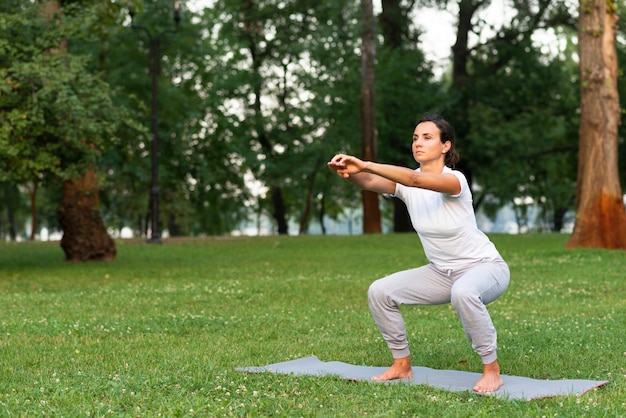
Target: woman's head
{"x": 446, "y": 133}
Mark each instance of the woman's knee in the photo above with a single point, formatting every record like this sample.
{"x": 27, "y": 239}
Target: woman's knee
{"x": 463, "y": 295}
{"x": 378, "y": 291}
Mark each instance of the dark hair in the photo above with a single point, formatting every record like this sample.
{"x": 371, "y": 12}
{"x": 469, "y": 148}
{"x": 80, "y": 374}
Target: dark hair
{"x": 446, "y": 133}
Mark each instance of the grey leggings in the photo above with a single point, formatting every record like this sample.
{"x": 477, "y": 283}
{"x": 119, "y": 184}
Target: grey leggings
{"x": 468, "y": 289}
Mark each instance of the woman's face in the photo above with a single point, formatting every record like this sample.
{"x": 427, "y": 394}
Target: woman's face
{"x": 427, "y": 146}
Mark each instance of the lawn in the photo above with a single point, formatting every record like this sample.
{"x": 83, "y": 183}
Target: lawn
{"x": 159, "y": 331}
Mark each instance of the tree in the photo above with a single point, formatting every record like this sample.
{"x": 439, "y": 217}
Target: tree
{"x": 84, "y": 235}
{"x": 404, "y": 90}
{"x": 280, "y": 86}
{"x": 334, "y": 82}
{"x": 600, "y": 214}
{"x": 502, "y": 81}
{"x": 56, "y": 117}
{"x": 526, "y": 130}
{"x": 201, "y": 186}
{"x": 371, "y": 208}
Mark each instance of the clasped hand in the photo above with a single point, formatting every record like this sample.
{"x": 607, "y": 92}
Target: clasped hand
{"x": 345, "y": 165}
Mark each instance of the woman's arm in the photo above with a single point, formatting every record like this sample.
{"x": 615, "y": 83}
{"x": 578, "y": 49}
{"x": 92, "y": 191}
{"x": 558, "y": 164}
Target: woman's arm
{"x": 382, "y": 178}
{"x": 350, "y": 168}
{"x": 439, "y": 182}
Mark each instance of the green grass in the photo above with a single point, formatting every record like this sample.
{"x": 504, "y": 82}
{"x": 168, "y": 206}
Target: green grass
{"x": 159, "y": 331}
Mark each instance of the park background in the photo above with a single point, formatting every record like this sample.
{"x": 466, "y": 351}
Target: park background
{"x": 248, "y": 101}
{"x": 252, "y": 98}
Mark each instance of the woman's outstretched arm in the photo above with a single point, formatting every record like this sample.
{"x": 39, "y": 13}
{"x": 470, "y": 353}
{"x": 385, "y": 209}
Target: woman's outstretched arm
{"x": 382, "y": 178}
{"x": 350, "y": 168}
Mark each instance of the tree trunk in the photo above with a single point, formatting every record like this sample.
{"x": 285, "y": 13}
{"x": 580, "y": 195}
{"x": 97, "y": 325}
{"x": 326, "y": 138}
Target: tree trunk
{"x": 559, "y": 217}
{"x": 32, "y": 193}
{"x": 84, "y": 235}
{"x": 371, "y": 209}
{"x": 11, "y": 199}
{"x": 461, "y": 79}
{"x": 306, "y": 213}
{"x": 173, "y": 228}
{"x": 600, "y": 215}
{"x": 394, "y": 25}
{"x": 322, "y": 212}
{"x": 280, "y": 213}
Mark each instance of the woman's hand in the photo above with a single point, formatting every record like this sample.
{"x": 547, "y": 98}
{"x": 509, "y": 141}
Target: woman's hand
{"x": 361, "y": 174}
{"x": 345, "y": 165}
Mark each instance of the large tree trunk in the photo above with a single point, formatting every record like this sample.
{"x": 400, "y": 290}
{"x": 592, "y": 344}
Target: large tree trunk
{"x": 600, "y": 215}
{"x": 84, "y": 235}
{"x": 371, "y": 209}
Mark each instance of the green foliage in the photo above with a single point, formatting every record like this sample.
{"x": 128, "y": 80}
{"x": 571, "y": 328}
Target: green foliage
{"x": 202, "y": 190}
{"x": 270, "y": 90}
{"x": 56, "y": 117}
{"x": 516, "y": 116}
{"x": 288, "y": 72}
{"x": 161, "y": 330}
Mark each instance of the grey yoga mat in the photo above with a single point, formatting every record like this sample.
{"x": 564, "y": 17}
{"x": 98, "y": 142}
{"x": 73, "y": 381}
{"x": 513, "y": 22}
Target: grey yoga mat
{"x": 514, "y": 387}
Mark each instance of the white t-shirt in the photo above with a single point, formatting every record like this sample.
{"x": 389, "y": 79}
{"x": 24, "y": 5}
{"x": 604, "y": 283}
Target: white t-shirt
{"x": 446, "y": 225}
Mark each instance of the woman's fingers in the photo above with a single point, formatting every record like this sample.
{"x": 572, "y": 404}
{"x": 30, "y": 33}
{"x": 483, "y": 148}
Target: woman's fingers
{"x": 343, "y": 165}
{"x": 337, "y": 161}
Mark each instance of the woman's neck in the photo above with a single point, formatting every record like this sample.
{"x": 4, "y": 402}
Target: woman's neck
{"x": 435, "y": 167}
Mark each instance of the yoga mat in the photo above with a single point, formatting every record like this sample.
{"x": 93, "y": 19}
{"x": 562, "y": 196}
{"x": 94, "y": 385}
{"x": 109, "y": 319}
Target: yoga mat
{"x": 514, "y": 387}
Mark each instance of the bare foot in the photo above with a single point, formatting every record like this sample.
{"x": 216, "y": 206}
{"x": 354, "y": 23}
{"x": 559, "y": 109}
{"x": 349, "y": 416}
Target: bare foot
{"x": 400, "y": 369}
{"x": 490, "y": 380}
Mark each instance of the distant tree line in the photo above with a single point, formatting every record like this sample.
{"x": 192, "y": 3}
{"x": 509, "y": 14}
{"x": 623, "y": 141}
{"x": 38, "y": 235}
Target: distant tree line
{"x": 268, "y": 92}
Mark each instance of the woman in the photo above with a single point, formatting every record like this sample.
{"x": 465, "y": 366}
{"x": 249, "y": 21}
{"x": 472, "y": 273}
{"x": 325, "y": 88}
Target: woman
{"x": 464, "y": 268}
